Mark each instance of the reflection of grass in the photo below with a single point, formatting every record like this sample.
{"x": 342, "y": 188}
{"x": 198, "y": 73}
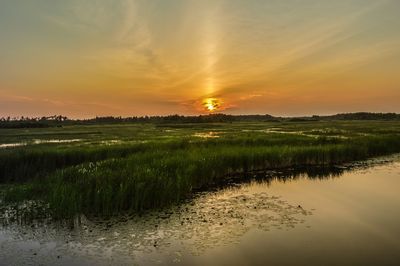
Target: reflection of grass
{"x": 151, "y": 167}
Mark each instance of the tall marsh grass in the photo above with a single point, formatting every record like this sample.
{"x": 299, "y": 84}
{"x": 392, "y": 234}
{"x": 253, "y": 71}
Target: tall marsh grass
{"x": 134, "y": 177}
{"x": 157, "y": 178}
{"x": 27, "y": 163}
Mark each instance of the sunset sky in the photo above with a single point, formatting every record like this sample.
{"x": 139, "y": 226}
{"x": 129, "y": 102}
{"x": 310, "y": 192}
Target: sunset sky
{"x": 156, "y": 57}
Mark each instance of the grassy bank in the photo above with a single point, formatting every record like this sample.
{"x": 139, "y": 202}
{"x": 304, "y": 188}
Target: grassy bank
{"x": 161, "y": 170}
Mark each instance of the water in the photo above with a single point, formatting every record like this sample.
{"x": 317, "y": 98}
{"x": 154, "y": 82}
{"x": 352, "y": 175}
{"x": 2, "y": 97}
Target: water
{"x": 12, "y": 145}
{"x": 207, "y": 135}
{"x": 38, "y": 141}
{"x": 349, "y": 217}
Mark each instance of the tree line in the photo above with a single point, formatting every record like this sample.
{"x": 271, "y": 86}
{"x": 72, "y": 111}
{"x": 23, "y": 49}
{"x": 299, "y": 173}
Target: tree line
{"x": 59, "y": 120}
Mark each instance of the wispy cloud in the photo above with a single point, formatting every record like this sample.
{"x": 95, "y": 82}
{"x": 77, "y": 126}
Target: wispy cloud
{"x": 169, "y": 55}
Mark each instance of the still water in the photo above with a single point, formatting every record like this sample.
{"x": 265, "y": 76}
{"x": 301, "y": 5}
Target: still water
{"x": 349, "y": 215}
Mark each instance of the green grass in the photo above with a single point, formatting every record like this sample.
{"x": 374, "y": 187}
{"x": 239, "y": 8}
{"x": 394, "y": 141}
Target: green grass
{"x": 157, "y": 165}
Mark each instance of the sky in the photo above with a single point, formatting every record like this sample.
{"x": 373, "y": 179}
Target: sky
{"x": 85, "y": 58}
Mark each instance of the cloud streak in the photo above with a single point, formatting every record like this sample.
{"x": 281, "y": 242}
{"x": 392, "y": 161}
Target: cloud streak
{"x": 168, "y": 56}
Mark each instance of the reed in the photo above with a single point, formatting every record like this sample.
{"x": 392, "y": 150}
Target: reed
{"x": 157, "y": 178}
{"x": 161, "y": 170}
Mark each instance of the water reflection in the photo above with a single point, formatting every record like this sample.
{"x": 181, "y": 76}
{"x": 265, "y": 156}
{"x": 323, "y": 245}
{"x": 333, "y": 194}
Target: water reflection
{"x": 307, "y": 172}
{"x": 209, "y": 220}
{"x": 207, "y": 135}
{"x": 38, "y": 141}
{"x": 12, "y": 145}
{"x": 212, "y": 219}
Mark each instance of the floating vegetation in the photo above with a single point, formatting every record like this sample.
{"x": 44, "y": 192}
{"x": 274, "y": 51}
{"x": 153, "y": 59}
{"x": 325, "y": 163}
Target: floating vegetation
{"x": 206, "y": 221}
{"x": 226, "y": 218}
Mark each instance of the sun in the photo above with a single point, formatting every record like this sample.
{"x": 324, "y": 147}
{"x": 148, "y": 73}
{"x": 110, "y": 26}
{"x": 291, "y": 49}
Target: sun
{"x": 211, "y": 104}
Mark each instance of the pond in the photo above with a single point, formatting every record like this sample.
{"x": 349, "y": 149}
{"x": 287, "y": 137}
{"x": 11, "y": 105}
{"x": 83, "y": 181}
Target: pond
{"x": 345, "y": 215}
{"x": 38, "y": 141}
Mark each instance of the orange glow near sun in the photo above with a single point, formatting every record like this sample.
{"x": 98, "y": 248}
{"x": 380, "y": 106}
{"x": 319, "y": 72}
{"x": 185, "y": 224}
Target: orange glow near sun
{"x": 211, "y": 104}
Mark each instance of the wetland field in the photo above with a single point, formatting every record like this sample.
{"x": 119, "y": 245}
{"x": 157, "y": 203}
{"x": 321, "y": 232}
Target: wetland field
{"x": 200, "y": 132}
{"x": 239, "y": 193}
